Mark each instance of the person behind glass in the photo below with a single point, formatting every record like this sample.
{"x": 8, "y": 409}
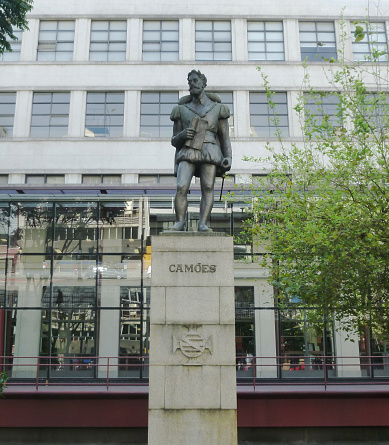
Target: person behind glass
{"x": 203, "y": 147}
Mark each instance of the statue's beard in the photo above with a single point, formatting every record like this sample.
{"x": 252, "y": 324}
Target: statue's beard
{"x": 195, "y": 91}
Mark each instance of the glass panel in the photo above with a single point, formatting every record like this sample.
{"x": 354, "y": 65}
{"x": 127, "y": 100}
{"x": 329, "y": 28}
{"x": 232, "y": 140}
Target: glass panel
{"x": 203, "y": 26}
{"x": 222, "y": 26}
{"x": 151, "y": 25}
{"x": 255, "y": 26}
{"x": 66, "y": 25}
{"x": 273, "y": 26}
{"x": 325, "y": 26}
{"x": 244, "y": 330}
{"x": 75, "y": 228}
{"x": 31, "y": 227}
{"x": 307, "y": 26}
{"x": 134, "y": 334}
{"x": 68, "y": 330}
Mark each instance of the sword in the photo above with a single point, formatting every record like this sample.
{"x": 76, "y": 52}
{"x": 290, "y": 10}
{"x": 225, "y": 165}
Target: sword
{"x": 221, "y": 190}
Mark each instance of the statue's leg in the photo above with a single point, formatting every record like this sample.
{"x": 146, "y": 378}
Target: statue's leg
{"x": 207, "y": 180}
{"x": 185, "y": 174}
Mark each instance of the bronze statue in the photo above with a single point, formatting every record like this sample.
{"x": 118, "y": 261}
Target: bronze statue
{"x": 203, "y": 147}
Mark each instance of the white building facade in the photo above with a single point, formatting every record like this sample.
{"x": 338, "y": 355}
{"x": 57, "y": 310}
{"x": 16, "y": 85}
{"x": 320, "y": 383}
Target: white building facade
{"x": 85, "y": 101}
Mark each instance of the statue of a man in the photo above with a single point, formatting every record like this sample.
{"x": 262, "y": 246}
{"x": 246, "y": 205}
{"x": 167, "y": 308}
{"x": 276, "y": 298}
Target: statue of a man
{"x": 203, "y": 147}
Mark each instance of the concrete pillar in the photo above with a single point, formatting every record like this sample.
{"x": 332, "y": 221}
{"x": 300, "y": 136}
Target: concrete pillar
{"x": 239, "y": 40}
{"x": 73, "y": 178}
{"x": 292, "y": 40}
{"x": 30, "y": 41}
{"x": 28, "y": 327}
{"x": 192, "y": 337}
{"x": 23, "y": 109}
{"x": 295, "y": 129}
{"x": 82, "y": 40}
{"x": 77, "y": 114}
{"x": 265, "y": 330}
{"x": 109, "y": 330}
{"x": 347, "y": 353}
{"x": 241, "y": 114}
{"x": 344, "y": 43}
{"x": 134, "y": 40}
{"x": 187, "y": 40}
{"x": 130, "y": 178}
{"x": 131, "y": 114}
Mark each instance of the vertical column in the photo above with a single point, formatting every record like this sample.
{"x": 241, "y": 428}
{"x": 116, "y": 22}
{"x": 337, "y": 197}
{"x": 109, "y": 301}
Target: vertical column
{"x": 347, "y": 352}
{"x": 192, "y": 337}
{"x": 28, "y": 329}
{"x": 131, "y": 126}
{"x": 81, "y": 40}
{"x": 187, "y": 40}
{"x": 265, "y": 331}
{"x": 239, "y": 40}
{"x": 134, "y": 40}
{"x": 295, "y": 129}
{"x": 241, "y": 114}
{"x": 109, "y": 330}
{"x": 23, "y": 109}
{"x": 30, "y": 41}
{"x": 77, "y": 114}
{"x": 292, "y": 40}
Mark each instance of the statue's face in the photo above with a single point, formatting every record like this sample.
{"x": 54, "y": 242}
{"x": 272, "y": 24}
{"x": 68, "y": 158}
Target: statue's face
{"x": 196, "y": 85}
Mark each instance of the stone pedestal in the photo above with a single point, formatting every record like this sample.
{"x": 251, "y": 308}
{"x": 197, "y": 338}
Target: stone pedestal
{"x": 192, "y": 341}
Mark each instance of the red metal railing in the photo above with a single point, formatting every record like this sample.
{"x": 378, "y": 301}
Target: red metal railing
{"x": 41, "y": 371}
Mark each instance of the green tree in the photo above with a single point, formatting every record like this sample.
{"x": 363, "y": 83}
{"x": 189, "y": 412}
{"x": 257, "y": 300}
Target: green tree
{"x": 3, "y": 381}
{"x": 323, "y": 209}
{"x": 12, "y": 14}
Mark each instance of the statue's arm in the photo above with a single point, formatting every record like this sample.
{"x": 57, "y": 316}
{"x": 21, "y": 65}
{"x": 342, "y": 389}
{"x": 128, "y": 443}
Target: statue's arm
{"x": 225, "y": 143}
{"x": 180, "y": 135}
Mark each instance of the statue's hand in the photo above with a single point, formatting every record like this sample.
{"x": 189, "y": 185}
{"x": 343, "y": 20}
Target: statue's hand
{"x": 188, "y": 133}
{"x": 226, "y": 164}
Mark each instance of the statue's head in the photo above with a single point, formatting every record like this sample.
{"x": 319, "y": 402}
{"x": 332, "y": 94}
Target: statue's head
{"x": 197, "y": 82}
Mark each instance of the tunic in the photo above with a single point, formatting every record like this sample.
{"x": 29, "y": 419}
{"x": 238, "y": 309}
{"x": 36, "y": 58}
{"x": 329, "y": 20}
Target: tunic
{"x": 211, "y": 152}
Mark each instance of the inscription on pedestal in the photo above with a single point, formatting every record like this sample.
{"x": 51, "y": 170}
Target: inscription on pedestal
{"x": 192, "y": 345}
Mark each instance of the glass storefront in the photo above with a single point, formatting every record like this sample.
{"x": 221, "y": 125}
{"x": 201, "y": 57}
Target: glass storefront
{"x": 75, "y": 281}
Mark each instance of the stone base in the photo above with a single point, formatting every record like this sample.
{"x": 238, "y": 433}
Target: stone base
{"x": 192, "y": 427}
{"x": 192, "y": 384}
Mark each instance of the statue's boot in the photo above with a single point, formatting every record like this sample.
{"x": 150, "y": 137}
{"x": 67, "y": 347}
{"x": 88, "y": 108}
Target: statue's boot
{"x": 179, "y": 226}
{"x": 204, "y": 228}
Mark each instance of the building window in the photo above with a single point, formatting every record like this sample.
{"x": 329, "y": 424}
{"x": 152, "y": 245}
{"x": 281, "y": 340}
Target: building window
{"x": 317, "y": 41}
{"x": 45, "y": 179}
{"x": 16, "y": 45}
{"x": 265, "y": 41}
{"x": 108, "y": 41}
{"x": 155, "y": 112}
{"x": 160, "y": 40}
{"x": 56, "y": 40}
{"x": 3, "y": 179}
{"x": 104, "y": 114}
{"x": 267, "y": 120}
{"x": 374, "y": 44}
{"x": 102, "y": 179}
{"x": 157, "y": 179}
{"x": 7, "y": 113}
{"x": 213, "y": 40}
{"x": 50, "y": 114}
{"x": 322, "y": 112}
{"x": 375, "y": 112}
{"x": 244, "y": 330}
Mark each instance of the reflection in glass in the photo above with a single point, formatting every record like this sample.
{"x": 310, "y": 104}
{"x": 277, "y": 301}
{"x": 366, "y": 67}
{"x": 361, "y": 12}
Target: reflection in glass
{"x": 304, "y": 344}
{"x": 75, "y": 228}
{"x": 68, "y": 331}
{"x": 134, "y": 334}
{"x": 31, "y": 227}
{"x": 244, "y": 330}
